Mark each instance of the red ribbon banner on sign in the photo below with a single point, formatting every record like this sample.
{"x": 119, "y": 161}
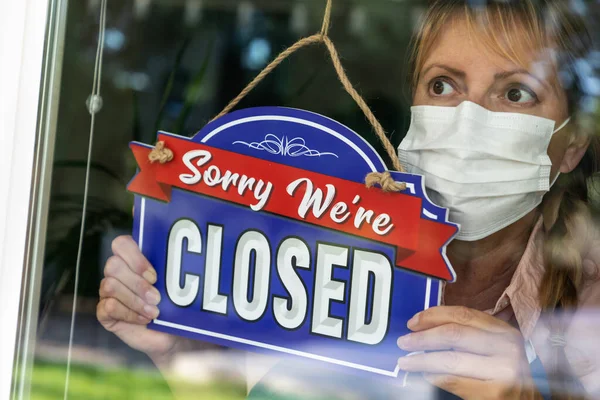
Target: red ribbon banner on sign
{"x": 321, "y": 200}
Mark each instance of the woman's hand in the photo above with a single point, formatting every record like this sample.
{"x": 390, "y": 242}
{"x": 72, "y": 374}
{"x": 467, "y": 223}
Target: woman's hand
{"x": 128, "y": 300}
{"x": 474, "y": 355}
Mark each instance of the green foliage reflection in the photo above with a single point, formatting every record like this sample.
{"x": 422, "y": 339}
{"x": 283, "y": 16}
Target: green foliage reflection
{"x": 92, "y": 383}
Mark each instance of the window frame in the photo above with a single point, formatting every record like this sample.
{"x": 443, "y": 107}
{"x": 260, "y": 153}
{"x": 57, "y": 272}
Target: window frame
{"x": 31, "y": 44}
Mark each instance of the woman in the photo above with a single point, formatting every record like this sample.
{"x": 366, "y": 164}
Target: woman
{"x": 499, "y": 134}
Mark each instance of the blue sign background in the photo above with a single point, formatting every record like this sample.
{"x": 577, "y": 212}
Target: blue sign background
{"x": 311, "y": 142}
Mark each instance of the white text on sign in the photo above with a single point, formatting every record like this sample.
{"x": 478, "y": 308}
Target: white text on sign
{"x": 322, "y": 203}
{"x": 291, "y": 255}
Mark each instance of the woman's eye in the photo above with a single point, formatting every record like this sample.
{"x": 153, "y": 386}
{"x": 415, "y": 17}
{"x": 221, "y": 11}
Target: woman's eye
{"x": 440, "y": 87}
{"x": 521, "y": 96}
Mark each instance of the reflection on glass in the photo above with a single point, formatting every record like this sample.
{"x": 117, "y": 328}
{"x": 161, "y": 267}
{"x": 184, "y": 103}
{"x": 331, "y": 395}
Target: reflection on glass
{"x": 173, "y": 65}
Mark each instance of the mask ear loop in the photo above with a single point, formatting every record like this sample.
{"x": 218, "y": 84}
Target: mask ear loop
{"x": 556, "y": 130}
{"x": 562, "y": 125}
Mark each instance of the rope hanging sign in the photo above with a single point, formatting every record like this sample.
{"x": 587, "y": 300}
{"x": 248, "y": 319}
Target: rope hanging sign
{"x": 383, "y": 179}
{"x": 265, "y": 236}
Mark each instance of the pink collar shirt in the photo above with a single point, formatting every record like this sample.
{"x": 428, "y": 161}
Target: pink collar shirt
{"x": 520, "y": 302}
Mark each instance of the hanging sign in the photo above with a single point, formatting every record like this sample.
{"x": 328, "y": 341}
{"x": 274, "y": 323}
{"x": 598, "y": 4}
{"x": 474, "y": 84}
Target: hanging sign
{"x": 265, "y": 237}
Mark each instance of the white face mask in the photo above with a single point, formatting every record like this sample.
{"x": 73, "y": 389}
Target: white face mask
{"x": 488, "y": 168}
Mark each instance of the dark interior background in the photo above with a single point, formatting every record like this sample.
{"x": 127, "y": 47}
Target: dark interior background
{"x": 172, "y": 65}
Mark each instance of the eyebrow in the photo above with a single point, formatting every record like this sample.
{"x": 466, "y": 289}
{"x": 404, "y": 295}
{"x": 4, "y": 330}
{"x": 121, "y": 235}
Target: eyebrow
{"x": 508, "y": 74}
{"x": 497, "y": 77}
{"x": 453, "y": 71}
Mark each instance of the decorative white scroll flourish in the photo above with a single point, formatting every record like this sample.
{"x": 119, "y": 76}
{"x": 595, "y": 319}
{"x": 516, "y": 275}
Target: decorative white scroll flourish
{"x": 284, "y": 146}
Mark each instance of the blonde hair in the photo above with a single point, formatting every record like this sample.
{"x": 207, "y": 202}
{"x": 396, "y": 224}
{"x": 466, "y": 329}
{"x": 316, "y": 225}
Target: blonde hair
{"x": 512, "y": 29}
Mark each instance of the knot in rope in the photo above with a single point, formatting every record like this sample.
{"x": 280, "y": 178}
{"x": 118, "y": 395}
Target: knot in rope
{"x": 385, "y": 181}
{"x": 160, "y": 153}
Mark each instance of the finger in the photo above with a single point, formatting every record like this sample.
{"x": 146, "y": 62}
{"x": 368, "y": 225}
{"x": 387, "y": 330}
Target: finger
{"x": 465, "y": 388}
{"x": 112, "y": 288}
{"x": 126, "y": 248}
{"x": 451, "y": 363}
{"x": 118, "y": 269}
{"x": 461, "y": 338}
{"x": 110, "y": 311}
{"x": 442, "y": 315}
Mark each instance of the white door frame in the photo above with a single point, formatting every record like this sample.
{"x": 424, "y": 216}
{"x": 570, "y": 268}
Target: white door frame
{"x": 23, "y": 26}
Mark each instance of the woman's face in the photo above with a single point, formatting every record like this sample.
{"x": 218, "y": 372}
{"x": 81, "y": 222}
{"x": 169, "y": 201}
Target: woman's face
{"x": 460, "y": 68}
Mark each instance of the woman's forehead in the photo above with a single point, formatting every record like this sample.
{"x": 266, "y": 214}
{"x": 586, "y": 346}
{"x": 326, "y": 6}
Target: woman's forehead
{"x": 472, "y": 47}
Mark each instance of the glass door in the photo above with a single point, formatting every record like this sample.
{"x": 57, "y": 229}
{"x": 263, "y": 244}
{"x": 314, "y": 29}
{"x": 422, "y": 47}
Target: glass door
{"x": 115, "y": 71}
{"x": 81, "y": 79}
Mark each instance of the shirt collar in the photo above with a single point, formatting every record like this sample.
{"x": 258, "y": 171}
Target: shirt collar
{"x": 523, "y": 292}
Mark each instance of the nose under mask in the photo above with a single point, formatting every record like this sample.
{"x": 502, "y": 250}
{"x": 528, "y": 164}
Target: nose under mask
{"x": 488, "y": 168}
